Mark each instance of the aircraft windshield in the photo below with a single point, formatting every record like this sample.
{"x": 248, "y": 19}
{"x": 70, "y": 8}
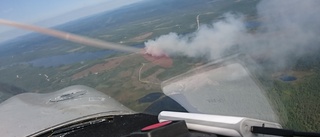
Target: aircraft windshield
{"x": 249, "y": 58}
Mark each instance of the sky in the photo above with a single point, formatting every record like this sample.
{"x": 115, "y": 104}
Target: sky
{"x": 48, "y": 13}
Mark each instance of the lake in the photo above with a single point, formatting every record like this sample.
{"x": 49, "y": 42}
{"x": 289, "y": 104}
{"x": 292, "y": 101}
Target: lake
{"x": 57, "y": 60}
{"x": 54, "y": 61}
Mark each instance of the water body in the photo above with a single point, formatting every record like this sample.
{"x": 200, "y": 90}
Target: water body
{"x": 54, "y": 61}
{"x": 150, "y": 97}
{"x": 288, "y": 78}
{"x": 164, "y": 104}
{"x": 252, "y": 24}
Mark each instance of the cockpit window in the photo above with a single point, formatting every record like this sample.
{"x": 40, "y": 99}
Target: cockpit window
{"x": 248, "y": 58}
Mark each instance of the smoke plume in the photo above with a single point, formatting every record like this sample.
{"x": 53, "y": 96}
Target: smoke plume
{"x": 287, "y": 27}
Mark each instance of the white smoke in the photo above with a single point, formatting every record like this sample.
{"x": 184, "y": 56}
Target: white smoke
{"x": 208, "y": 40}
{"x": 287, "y": 27}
